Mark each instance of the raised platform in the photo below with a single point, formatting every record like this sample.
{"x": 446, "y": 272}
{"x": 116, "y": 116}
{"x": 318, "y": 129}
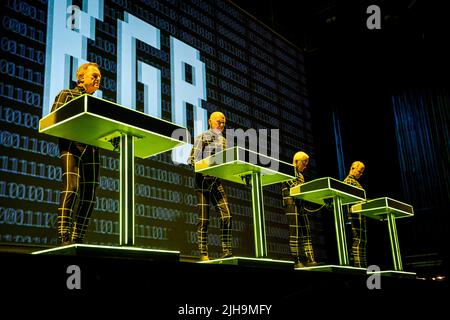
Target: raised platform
{"x": 394, "y": 273}
{"x": 88, "y": 250}
{"x": 335, "y": 269}
{"x": 252, "y": 262}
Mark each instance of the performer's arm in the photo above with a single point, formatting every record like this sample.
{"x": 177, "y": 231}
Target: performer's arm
{"x": 196, "y": 150}
{"x": 61, "y": 99}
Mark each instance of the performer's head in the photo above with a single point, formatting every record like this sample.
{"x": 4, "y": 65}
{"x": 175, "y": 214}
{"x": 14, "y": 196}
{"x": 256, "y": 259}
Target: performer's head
{"x": 357, "y": 169}
{"x": 217, "y": 122}
{"x": 300, "y": 161}
{"x": 89, "y": 76}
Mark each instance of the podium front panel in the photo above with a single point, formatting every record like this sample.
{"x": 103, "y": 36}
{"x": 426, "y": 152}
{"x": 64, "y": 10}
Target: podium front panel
{"x": 380, "y": 207}
{"x": 233, "y": 164}
{"x": 318, "y": 190}
{"x": 94, "y": 121}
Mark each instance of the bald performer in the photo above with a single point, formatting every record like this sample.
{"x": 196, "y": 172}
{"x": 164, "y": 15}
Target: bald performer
{"x": 358, "y": 221}
{"x": 300, "y": 243}
{"x": 209, "y": 189}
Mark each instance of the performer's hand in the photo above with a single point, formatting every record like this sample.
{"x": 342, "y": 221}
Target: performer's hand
{"x": 116, "y": 143}
{"x": 329, "y": 204}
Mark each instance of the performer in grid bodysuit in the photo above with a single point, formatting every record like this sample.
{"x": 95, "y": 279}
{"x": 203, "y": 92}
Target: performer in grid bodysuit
{"x": 210, "y": 189}
{"x": 358, "y": 221}
{"x": 80, "y": 165}
{"x": 300, "y": 243}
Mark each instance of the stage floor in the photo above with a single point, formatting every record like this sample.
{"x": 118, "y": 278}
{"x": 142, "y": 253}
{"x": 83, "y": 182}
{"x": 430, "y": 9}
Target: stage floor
{"x": 158, "y": 281}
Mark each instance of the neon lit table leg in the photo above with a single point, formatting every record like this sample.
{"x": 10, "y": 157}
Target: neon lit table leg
{"x": 395, "y": 247}
{"x": 126, "y": 223}
{"x": 340, "y": 231}
{"x": 258, "y": 216}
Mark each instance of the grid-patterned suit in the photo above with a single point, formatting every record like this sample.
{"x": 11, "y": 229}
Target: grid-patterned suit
{"x": 210, "y": 189}
{"x": 359, "y": 231}
{"x": 300, "y": 243}
{"x": 80, "y": 164}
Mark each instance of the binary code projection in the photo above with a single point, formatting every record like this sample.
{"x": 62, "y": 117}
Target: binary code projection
{"x": 231, "y": 63}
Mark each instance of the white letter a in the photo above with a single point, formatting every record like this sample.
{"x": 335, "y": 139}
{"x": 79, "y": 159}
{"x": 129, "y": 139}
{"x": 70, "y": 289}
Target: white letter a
{"x": 374, "y": 280}
{"x": 74, "y": 280}
{"x": 373, "y": 21}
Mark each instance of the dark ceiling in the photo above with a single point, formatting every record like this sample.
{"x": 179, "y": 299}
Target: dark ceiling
{"x": 314, "y": 23}
{"x": 412, "y": 40}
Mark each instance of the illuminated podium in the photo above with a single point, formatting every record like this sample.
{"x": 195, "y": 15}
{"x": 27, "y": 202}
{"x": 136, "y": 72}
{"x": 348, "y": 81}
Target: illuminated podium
{"x": 386, "y": 209}
{"x": 320, "y": 190}
{"x": 98, "y": 122}
{"x": 247, "y": 167}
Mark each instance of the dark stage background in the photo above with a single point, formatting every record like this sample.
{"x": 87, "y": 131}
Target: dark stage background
{"x": 334, "y": 88}
{"x": 381, "y": 96}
